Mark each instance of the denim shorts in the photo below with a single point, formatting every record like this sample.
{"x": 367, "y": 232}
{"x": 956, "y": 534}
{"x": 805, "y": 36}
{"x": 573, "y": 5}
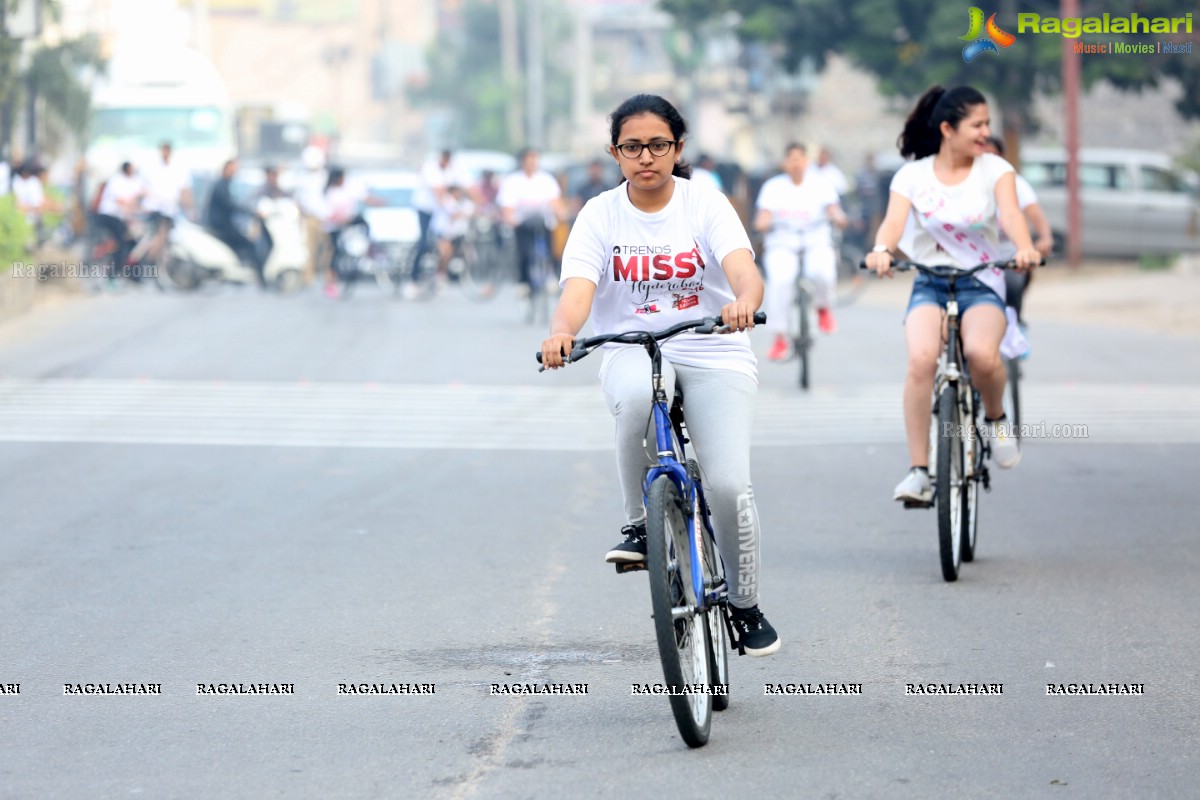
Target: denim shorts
{"x": 969, "y": 292}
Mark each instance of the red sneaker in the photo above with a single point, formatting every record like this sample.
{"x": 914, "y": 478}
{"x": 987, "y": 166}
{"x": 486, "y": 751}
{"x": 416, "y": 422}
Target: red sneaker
{"x": 779, "y": 350}
{"x": 825, "y": 321}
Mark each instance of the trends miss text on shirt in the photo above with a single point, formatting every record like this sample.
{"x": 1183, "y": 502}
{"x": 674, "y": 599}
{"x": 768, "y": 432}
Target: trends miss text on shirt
{"x": 654, "y": 263}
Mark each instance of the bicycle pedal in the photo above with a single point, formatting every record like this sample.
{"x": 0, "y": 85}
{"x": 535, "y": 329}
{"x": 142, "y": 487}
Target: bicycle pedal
{"x": 630, "y": 566}
{"x": 918, "y": 503}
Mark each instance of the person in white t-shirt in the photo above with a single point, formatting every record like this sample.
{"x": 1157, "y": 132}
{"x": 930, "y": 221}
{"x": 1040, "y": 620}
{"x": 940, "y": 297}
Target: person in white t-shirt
{"x": 168, "y": 194}
{"x": 436, "y": 177}
{"x": 168, "y": 185}
{"x": 451, "y": 223}
{"x": 119, "y": 201}
{"x": 1015, "y": 283}
{"x": 531, "y": 203}
{"x": 832, "y": 174}
{"x": 705, "y": 171}
{"x": 956, "y": 193}
{"x": 28, "y": 191}
{"x": 654, "y": 251}
{"x": 795, "y": 210}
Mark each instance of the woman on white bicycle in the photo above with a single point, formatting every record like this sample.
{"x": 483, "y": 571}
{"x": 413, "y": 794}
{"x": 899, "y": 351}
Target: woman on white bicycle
{"x": 657, "y": 250}
{"x": 952, "y": 193}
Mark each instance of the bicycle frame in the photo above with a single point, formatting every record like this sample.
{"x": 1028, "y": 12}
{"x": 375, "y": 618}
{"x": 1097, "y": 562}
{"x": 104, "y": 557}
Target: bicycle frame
{"x": 665, "y": 436}
{"x": 691, "y": 491}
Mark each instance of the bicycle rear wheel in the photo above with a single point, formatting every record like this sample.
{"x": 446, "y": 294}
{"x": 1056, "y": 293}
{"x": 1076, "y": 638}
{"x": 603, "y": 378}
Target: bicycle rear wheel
{"x": 1012, "y": 395}
{"x": 949, "y": 489}
{"x": 802, "y": 325}
{"x": 683, "y": 638}
{"x": 539, "y": 288}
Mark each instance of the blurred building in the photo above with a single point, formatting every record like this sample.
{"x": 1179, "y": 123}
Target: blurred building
{"x": 336, "y": 70}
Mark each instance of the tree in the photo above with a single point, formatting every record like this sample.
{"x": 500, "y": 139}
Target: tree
{"x": 910, "y": 45}
{"x": 54, "y": 75}
{"x": 466, "y": 79}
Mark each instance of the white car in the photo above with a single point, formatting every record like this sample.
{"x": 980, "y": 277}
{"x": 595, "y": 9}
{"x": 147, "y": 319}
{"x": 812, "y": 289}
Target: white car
{"x": 394, "y": 225}
{"x": 1132, "y": 202}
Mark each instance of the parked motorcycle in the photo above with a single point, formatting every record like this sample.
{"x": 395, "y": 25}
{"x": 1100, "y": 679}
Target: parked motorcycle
{"x": 198, "y": 256}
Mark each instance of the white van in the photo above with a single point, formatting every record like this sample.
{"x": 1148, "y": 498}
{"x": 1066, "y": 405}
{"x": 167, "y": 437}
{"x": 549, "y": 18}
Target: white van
{"x": 155, "y": 94}
{"x": 1133, "y": 202}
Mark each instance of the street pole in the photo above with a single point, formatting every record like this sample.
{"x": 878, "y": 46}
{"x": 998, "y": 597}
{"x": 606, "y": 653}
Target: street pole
{"x": 581, "y": 97}
{"x": 6, "y": 109}
{"x": 510, "y": 68}
{"x": 536, "y": 133}
{"x": 31, "y": 85}
{"x": 1070, "y": 81}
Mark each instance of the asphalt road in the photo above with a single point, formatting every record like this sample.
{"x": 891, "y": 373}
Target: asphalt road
{"x": 244, "y": 488}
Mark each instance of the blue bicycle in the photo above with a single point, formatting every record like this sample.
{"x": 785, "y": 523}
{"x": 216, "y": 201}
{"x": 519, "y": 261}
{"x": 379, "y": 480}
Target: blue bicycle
{"x": 688, "y": 590}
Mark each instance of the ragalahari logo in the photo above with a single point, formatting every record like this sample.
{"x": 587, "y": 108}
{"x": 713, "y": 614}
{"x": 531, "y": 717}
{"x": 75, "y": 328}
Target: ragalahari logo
{"x": 977, "y": 42}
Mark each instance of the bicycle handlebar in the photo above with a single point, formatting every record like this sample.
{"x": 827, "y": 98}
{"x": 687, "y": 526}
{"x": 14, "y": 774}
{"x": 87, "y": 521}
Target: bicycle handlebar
{"x": 705, "y": 325}
{"x": 947, "y": 270}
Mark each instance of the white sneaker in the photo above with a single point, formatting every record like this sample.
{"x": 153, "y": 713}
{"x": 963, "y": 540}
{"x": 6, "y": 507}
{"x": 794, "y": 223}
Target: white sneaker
{"x": 915, "y": 488}
{"x": 1005, "y": 450}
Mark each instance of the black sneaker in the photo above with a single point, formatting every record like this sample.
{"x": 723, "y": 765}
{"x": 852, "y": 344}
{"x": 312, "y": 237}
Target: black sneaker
{"x": 632, "y": 550}
{"x": 755, "y": 634}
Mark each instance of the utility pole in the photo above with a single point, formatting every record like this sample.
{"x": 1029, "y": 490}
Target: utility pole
{"x": 31, "y": 84}
{"x": 536, "y": 68}
{"x": 509, "y": 67}
{"x": 1070, "y": 81}
{"x": 6, "y": 105}
{"x": 581, "y": 96}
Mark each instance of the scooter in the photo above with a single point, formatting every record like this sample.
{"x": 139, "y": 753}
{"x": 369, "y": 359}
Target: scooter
{"x": 197, "y": 256}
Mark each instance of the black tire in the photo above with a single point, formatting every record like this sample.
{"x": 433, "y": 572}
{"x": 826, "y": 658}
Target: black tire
{"x": 540, "y": 271}
{"x": 480, "y": 277}
{"x": 949, "y": 490}
{"x": 682, "y": 644}
{"x": 804, "y": 339}
{"x": 973, "y": 455}
{"x": 718, "y": 656}
{"x": 182, "y": 274}
{"x": 1013, "y": 391}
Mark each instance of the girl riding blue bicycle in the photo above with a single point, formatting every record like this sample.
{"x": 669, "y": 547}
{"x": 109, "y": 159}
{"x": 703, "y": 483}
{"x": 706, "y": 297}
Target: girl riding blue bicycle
{"x": 654, "y": 251}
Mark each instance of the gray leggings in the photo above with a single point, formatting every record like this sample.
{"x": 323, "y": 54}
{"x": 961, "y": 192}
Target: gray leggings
{"x": 719, "y": 405}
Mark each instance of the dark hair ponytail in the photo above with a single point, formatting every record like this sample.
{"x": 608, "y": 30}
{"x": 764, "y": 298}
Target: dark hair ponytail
{"x": 922, "y": 134}
{"x": 659, "y": 107}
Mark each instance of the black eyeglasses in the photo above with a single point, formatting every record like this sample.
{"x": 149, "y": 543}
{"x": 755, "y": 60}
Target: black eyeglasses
{"x": 657, "y": 148}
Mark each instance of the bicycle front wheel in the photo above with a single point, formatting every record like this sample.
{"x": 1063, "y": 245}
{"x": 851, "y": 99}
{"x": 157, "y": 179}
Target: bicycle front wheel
{"x": 683, "y": 640}
{"x": 973, "y": 460}
{"x": 949, "y": 487}
{"x": 480, "y": 276}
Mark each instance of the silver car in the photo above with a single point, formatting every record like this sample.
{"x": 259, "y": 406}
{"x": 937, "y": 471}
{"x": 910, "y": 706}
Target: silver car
{"x": 1133, "y": 202}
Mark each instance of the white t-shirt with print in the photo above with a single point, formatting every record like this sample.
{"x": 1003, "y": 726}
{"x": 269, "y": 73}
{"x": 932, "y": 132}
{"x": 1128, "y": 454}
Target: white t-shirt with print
{"x": 963, "y": 216}
{"x": 529, "y": 195}
{"x": 799, "y": 212}
{"x": 654, "y": 270}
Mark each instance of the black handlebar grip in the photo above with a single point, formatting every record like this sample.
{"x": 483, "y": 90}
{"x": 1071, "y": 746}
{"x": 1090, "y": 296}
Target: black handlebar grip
{"x": 760, "y": 318}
